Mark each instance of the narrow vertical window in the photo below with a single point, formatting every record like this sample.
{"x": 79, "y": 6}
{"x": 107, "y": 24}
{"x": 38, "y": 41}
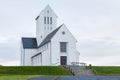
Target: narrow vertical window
{"x": 50, "y": 20}
{"x": 63, "y": 46}
{"x": 48, "y": 11}
{"x": 51, "y": 28}
{"x": 47, "y": 20}
{"x": 44, "y": 20}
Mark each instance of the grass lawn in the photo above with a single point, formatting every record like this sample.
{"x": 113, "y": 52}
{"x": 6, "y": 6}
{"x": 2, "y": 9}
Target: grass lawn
{"x": 107, "y": 70}
{"x": 17, "y": 77}
{"x": 33, "y": 70}
{"x": 26, "y": 72}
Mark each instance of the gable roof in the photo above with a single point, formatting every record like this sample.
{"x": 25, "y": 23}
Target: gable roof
{"x": 46, "y": 8}
{"x": 29, "y": 42}
{"x": 49, "y": 36}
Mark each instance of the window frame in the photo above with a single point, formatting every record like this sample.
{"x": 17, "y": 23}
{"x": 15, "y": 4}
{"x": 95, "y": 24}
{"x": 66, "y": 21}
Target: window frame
{"x": 50, "y": 20}
{"x": 63, "y": 47}
{"x": 44, "y": 20}
{"x": 47, "y": 20}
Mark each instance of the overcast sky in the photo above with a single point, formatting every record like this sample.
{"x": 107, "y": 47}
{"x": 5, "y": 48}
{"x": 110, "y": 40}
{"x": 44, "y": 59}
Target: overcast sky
{"x": 94, "y": 23}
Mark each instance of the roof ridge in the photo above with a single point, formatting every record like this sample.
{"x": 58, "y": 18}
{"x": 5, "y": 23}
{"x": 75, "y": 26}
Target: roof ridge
{"x": 49, "y": 36}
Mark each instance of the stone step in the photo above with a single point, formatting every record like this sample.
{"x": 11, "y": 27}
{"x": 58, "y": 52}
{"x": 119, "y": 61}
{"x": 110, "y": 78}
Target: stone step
{"x": 80, "y": 70}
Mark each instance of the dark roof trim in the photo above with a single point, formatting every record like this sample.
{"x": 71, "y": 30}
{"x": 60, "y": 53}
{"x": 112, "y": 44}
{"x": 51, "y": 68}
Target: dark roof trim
{"x": 30, "y": 48}
{"x": 49, "y": 36}
{"x": 36, "y": 17}
{"x": 36, "y": 55}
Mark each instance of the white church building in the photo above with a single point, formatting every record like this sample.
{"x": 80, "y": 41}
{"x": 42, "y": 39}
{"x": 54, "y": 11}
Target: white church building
{"x": 52, "y": 46}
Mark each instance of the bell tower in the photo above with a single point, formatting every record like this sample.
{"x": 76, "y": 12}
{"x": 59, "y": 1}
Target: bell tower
{"x": 46, "y": 22}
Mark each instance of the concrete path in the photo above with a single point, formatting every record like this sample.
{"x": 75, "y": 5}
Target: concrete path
{"x": 80, "y": 70}
{"x": 77, "y": 78}
{"x": 90, "y": 78}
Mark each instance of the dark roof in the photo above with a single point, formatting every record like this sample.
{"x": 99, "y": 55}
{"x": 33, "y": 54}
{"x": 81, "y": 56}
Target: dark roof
{"x": 29, "y": 42}
{"x": 35, "y": 55}
{"x": 36, "y": 17}
{"x": 49, "y": 37}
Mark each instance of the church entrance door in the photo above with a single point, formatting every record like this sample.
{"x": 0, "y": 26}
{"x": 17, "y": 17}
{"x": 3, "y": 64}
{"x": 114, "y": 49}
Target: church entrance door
{"x": 63, "y": 60}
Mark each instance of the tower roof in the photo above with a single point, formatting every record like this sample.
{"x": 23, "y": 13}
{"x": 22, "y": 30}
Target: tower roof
{"x": 46, "y": 8}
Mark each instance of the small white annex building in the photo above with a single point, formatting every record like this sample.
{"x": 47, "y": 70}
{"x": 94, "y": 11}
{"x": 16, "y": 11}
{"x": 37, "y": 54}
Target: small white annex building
{"x": 52, "y": 46}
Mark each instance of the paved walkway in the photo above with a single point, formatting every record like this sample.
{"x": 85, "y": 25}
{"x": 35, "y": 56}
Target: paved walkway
{"x": 77, "y": 78}
{"x": 80, "y": 70}
{"x": 90, "y": 78}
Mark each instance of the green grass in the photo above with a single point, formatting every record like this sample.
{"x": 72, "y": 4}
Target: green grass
{"x": 26, "y": 72}
{"x": 106, "y": 70}
{"x": 33, "y": 70}
{"x": 17, "y": 77}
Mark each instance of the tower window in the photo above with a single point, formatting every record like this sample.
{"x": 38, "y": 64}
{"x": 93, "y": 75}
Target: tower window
{"x": 63, "y": 32}
{"x": 47, "y": 11}
{"x": 44, "y": 20}
{"x": 63, "y": 46}
{"x": 47, "y": 20}
{"x": 50, "y": 20}
{"x": 51, "y": 28}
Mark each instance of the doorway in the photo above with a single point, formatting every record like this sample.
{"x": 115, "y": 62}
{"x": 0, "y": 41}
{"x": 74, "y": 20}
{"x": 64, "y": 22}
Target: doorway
{"x": 63, "y": 60}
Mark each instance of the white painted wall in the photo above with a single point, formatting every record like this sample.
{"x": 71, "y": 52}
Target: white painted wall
{"x": 44, "y": 29}
{"x": 55, "y": 53}
{"x": 40, "y": 29}
{"x": 46, "y": 56}
{"x": 71, "y": 46}
{"x": 37, "y": 60}
{"x": 27, "y": 56}
{"x": 22, "y": 55}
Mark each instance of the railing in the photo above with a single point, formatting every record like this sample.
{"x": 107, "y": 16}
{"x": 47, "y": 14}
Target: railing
{"x": 69, "y": 69}
{"x": 79, "y": 63}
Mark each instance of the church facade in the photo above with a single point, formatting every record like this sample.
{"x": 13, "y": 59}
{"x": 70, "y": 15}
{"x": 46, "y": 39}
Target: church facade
{"x": 52, "y": 46}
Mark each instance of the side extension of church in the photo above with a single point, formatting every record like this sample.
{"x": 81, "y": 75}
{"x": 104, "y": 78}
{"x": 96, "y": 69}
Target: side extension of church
{"x": 52, "y": 46}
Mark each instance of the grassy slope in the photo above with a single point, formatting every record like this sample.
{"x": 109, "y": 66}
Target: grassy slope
{"x": 33, "y": 70}
{"x": 17, "y": 77}
{"x": 107, "y": 70}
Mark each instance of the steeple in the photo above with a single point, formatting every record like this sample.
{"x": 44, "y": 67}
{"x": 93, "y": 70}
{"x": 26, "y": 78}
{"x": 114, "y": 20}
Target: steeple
{"x": 46, "y": 22}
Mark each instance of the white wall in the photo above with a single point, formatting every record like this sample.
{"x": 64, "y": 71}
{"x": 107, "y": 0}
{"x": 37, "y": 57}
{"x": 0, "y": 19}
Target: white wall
{"x": 44, "y": 29}
{"x": 71, "y": 46}
{"x": 22, "y": 55}
{"x": 55, "y": 53}
{"x": 27, "y": 56}
{"x": 40, "y": 28}
{"x": 44, "y": 58}
{"x": 37, "y": 60}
